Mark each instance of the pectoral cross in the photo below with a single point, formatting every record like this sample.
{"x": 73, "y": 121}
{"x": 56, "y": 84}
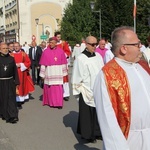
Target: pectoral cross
{"x": 5, "y": 68}
{"x": 55, "y": 58}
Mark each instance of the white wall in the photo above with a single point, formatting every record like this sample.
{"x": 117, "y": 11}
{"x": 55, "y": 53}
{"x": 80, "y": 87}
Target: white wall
{"x": 27, "y": 22}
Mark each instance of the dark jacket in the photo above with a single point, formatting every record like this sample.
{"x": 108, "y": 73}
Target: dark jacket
{"x": 37, "y": 56}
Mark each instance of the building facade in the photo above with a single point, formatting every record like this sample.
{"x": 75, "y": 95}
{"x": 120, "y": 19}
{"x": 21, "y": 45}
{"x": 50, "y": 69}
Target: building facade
{"x": 25, "y": 19}
{"x": 2, "y": 20}
{"x": 11, "y": 21}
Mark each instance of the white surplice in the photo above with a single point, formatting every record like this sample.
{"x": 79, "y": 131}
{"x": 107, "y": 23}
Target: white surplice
{"x": 108, "y": 56}
{"x": 84, "y": 73}
{"x": 139, "y": 133}
{"x": 76, "y": 51}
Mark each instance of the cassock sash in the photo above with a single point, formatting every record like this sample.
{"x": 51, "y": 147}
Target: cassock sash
{"x": 119, "y": 92}
{"x": 145, "y": 65}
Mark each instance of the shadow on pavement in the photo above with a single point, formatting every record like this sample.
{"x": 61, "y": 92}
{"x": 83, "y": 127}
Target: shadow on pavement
{"x": 41, "y": 97}
{"x": 84, "y": 147}
{"x": 70, "y": 120}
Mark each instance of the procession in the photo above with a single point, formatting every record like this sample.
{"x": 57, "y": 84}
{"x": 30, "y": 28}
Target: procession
{"x": 60, "y": 91}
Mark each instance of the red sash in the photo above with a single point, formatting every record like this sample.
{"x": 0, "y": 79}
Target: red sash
{"x": 119, "y": 92}
{"x": 144, "y": 64}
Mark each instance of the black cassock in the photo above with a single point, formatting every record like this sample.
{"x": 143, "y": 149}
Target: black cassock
{"x": 8, "y": 81}
{"x": 88, "y": 126}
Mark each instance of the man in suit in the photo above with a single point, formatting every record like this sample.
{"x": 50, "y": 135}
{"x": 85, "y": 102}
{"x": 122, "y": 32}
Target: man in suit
{"x": 35, "y": 53}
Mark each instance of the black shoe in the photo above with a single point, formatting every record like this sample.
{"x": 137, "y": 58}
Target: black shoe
{"x": 16, "y": 119}
{"x": 26, "y": 100}
{"x": 3, "y": 118}
{"x": 99, "y": 138}
{"x": 66, "y": 98}
{"x": 92, "y": 140}
{"x": 59, "y": 107}
{"x": 19, "y": 105}
{"x": 12, "y": 120}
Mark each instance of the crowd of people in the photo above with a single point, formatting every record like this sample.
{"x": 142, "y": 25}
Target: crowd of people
{"x": 111, "y": 82}
{"x": 47, "y": 64}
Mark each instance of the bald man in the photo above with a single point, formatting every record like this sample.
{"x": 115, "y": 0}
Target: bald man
{"x": 8, "y": 81}
{"x": 122, "y": 95}
{"x": 86, "y": 67}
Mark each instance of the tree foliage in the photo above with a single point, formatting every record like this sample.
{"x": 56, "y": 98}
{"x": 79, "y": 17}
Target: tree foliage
{"x": 143, "y": 13}
{"x": 79, "y": 21}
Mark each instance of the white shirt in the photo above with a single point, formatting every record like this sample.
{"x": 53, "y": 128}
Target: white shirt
{"x": 34, "y": 52}
{"x": 139, "y": 133}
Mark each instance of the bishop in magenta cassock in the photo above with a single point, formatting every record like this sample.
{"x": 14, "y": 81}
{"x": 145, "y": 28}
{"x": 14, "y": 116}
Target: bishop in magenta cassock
{"x": 53, "y": 68}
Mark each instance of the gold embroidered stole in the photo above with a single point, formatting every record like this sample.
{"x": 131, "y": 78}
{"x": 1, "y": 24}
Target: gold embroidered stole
{"x": 119, "y": 92}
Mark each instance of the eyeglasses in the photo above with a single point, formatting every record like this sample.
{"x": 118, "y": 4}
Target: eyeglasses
{"x": 138, "y": 44}
{"x": 92, "y": 44}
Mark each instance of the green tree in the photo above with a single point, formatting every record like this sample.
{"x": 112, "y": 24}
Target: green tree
{"x": 143, "y": 13}
{"x": 77, "y": 21}
{"x": 115, "y": 13}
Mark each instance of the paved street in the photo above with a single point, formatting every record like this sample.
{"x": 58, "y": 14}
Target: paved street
{"x": 44, "y": 128}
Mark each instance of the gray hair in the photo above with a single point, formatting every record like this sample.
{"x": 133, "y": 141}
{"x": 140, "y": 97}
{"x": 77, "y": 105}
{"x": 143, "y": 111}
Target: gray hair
{"x": 118, "y": 36}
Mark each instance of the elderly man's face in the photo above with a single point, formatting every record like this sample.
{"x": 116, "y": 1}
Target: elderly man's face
{"x": 52, "y": 44}
{"x": 4, "y": 49}
{"x": 16, "y": 47}
{"x": 102, "y": 44}
{"x": 131, "y": 47}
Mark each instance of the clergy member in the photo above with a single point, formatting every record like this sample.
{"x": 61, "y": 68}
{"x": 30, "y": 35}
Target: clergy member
{"x": 86, "y": 67}
{"x": 23, "y": 65}
{"x": 122, "y": 95}
{"x": 53, "y": 68}
{"x": 101, "y": 48}
{"x": 65, "y": 47}
{"x": 8, "y": 81}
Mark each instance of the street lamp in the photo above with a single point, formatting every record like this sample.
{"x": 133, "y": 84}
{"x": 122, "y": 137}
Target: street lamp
{"x": 37, "y": 23}
{"x": 92, "y": 4}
